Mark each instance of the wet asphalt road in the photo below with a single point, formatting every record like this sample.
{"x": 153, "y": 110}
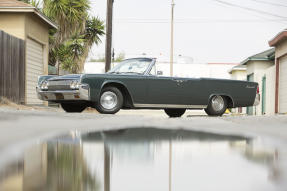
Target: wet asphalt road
{"x": 21, "y": 128}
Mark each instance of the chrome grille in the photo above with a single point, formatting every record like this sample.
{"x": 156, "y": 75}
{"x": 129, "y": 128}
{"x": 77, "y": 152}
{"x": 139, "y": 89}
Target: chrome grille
{"x": 59, "y": 85}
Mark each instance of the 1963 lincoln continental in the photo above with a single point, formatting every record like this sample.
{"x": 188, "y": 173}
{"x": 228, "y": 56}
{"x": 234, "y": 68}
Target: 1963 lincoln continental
{"x": 134, "y": 84}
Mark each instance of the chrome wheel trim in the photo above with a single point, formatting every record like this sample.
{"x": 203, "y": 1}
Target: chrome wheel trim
{"x": 109, "y": 100}
{"x": 217, "y": 103}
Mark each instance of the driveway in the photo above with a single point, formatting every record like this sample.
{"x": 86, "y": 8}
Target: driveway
{"x": 20, "y": 128}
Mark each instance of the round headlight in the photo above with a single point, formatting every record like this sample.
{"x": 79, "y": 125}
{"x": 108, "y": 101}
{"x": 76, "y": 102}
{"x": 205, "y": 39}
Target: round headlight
{"x": 72, "y": 85}
{"x": 44, "y": 85}
{"x": 75, "y": 84}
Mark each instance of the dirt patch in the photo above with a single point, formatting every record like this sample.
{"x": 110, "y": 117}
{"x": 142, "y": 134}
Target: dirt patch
{"x": 4, "y": 102}
{"x": 8, "y": 103}
{"x": 90, "y": 110}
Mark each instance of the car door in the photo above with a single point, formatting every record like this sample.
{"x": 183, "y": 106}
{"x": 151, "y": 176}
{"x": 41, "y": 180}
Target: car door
{"x": 172, "y": 90}
{"x": 137, "y": 87}
{"x": 187, "y": 91}
{"x": 161, "y": 90}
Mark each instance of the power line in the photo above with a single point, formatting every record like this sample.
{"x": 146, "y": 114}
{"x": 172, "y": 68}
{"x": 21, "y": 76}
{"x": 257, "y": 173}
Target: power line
{"x": 250, "y": 9}
{"x": 186, "y": 21}
{"x": 195, "y": 19}
{"x": 269, "y": 3}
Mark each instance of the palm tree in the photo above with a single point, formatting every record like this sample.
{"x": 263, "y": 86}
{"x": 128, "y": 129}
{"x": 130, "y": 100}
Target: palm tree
{"x": 71, "y": 53}
{"x": 93, "y": 31}
{"x": 77, "y": 32}
{"x": 70, "y": 15}
{"x": 34, "y": 3}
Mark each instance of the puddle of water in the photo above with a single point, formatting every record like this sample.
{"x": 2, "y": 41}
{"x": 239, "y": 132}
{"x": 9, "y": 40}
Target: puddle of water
{"x": 146, "y": 159}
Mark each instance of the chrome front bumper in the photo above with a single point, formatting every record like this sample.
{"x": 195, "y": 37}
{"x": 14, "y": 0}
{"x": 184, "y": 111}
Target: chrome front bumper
{"x": 83, "y": 93}
{"x": 257, "y": 100}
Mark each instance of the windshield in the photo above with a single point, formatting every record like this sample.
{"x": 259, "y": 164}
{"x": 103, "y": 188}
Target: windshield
{"x": 133, "y": 66}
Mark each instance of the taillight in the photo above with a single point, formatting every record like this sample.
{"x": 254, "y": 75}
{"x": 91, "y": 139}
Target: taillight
{"x": 257, "y": 90}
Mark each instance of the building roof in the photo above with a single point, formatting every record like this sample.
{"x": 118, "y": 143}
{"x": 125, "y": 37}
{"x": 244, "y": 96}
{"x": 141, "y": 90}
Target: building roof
{"x": 238, "y": 68}
{"x": 21, "y": 7}
{"x": 13, "y": 3}
{"x": 264, "y": 56}
{"x": 278, "y": 38}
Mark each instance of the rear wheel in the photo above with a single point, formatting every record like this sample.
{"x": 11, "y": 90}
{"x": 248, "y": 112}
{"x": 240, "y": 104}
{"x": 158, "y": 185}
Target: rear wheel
{"x": 217, "y": 106}
{"x": 73, "y": 107}
{"x": 110, "y": 101}
{"x": 174, "y": 112}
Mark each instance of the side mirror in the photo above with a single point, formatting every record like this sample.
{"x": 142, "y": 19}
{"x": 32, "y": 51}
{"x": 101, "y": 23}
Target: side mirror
{"x": 159, "y": 73}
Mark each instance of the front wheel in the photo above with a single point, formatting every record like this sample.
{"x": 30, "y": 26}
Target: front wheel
{"x": 73, "y": 107}
{"x": 217, "y": 106}
{"x": 174, "y": 112}
{"x": 111, "y": 101}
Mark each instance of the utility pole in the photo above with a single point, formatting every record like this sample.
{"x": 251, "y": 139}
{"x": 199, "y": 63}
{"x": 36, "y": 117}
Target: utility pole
{"x": 109, "y": 32}
{"x": 171, "y": 37}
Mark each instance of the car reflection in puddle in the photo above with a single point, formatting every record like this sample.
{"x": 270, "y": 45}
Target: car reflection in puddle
{"x": 145, "y": 159}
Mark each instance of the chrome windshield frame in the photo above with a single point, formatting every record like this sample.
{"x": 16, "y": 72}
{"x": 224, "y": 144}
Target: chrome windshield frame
{"x": 147, "y": 72}
{"x": 149, "y": 67}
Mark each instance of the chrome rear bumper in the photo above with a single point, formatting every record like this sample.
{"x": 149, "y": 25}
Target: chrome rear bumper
{"x": 83, "y": 93}
{"x": 257, "y": 100}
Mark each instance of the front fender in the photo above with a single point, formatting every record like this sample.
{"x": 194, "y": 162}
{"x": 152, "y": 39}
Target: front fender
{"x": 117, "y": 83}
{"x": 97, "y": 83}
{"x": 113, "y": 81}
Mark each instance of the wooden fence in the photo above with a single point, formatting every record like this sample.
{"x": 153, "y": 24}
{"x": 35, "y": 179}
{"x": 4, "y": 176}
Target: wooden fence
{"x": 12, "y": 68}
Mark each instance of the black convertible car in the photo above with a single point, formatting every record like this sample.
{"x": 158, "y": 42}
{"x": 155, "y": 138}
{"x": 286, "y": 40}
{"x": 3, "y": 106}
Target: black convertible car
{"x": 134, "y": 84}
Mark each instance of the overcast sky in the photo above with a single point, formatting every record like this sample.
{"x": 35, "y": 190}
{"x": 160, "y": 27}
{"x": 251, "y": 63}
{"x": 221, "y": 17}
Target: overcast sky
{"x": 206, "y": 30}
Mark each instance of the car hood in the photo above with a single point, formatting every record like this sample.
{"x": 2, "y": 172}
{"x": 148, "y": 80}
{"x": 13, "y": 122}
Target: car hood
{"x": 66, "y": 77}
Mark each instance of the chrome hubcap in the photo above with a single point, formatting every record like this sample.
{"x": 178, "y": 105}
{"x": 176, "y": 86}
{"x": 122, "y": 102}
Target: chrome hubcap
{"x": 217, "y": 103}
{"x": 109, "y": 100}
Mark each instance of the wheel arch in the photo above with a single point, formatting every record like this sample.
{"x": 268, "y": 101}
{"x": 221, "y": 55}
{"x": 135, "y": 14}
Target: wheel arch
{"x": 229, "y": 99}
{"x": 128, "y": 100}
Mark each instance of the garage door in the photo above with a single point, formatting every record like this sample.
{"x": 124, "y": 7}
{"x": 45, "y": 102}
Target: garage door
{"x": 283, "y": 85}
{"x": 34, "y": 68}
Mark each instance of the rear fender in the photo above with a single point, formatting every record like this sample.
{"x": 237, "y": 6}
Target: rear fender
{"x": 230, "y": 105}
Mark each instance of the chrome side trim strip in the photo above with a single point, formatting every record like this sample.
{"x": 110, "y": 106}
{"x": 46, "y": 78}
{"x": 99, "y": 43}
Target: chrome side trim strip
{"x": 170, "y": 106}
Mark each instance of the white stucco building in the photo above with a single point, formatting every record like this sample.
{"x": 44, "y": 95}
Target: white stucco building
{"x": 280, "y": 70}
{"x": 259, "y": 68}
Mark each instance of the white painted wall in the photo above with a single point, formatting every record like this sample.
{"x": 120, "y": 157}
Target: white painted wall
{"x": 258, "y": 68}
{"x": 283, "y": 85}
{"x": 238, "y": 75}
{"x": 281, "y": 50}
{"x": 220, "y": 70}
{"x": 270, "y": 90}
